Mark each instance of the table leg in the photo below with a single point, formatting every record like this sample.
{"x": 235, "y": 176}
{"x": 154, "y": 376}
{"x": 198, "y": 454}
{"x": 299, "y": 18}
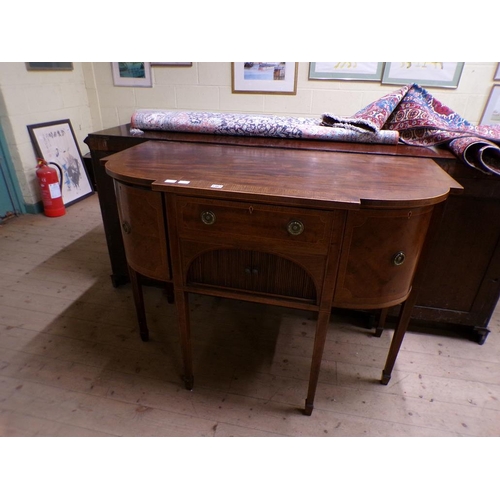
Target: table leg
{"x": 381, "y": 322}
{"x": 139, "y": 304}
{"x": 319, "y": 345}
{"x": 182, "y": 306}
{"x": 397, "y": 338}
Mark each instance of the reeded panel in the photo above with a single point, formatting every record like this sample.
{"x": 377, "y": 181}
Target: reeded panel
{"x": 251, "y": 271}
{"x": 222, "y": 268}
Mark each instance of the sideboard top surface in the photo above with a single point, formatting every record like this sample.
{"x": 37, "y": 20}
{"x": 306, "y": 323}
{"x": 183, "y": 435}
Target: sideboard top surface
{"x": 319, "y": 178}
{"x": 123, "y": 132}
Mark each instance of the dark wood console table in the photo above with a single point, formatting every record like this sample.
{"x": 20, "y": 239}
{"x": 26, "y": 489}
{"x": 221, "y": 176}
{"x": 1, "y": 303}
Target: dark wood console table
{"x": 304, "y": 229}
{"x": 462, "y": 285}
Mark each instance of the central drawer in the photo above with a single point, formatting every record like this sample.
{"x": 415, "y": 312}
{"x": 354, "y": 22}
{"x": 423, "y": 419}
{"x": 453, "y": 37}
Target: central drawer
{"x": 236, "y": 223}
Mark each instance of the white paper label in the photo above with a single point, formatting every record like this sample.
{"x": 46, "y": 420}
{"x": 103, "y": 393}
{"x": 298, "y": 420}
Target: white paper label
{"x": 183, "y": 182}
{"x": 217, "y": 186}
{"x": 55, "y": 190}
{"x": 170, "y": 181}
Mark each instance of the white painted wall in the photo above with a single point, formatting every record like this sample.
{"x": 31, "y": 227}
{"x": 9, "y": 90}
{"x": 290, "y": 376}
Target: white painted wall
{"x": 207, "y": 86}
{"x": 30, "y": 97}
{"x": 89, "y": 99}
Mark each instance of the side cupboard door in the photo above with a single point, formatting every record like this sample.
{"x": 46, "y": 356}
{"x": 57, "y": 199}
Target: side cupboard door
{"x": 379, "y": 256}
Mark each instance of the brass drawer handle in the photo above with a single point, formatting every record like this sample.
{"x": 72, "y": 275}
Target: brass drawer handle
{"x": 127, "y": 228}
{"x": 295, "y": 227}
{"x": 398, "y": 258}
{"x": 208, "y": 217}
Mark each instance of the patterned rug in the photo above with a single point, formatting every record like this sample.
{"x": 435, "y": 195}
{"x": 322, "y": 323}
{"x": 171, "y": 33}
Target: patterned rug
{"x": 410, "y": 115}
{"x": 422, "y": 120}
{"x": 286, "y": 127}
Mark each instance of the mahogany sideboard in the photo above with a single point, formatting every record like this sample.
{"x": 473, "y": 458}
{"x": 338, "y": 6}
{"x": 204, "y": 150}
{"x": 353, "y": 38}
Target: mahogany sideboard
{"x": 304, "y": 229}
{"x": 462, "y": 285}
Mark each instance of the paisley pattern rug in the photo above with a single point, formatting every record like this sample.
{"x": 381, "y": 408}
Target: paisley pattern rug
{"x": 422, "y": 120}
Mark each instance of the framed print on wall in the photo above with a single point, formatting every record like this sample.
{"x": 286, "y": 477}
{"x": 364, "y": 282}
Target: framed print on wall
{"x": 428, "y": 74}
{"x": 264, "y": 77}
{"x": 346, "y": 71}
{"x": 49, "y": 66}
{"x": 55, "y": 142}
{"x": 491, "y": 113}
{"x": 132, "y": 74}
{"x": 171, "y": 64}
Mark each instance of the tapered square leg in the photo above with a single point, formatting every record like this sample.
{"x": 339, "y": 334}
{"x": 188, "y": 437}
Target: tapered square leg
{"x": 386, "y": 377}
{"x": 139, "y": 304}
{"x": 182, "y": 301}
{"x": 381, "y": 322}
{"x": 319, "y": 345}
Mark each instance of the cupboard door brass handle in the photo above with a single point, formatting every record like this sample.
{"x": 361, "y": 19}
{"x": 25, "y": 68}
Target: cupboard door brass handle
{"x": 398, "y": 258}
{"x": 127, "y": 228}
{"x": 295, "y": 227}
{"x": 208, "y": 217}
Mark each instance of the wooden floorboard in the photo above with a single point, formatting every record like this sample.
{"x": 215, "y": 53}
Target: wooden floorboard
{"x": 72, "y": 362}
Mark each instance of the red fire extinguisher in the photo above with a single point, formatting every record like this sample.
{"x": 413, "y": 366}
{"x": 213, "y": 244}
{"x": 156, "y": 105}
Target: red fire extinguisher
{"x": 51, "y": 186}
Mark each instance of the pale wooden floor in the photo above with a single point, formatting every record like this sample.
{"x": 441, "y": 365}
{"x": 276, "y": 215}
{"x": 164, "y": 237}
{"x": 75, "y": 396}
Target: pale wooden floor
{"x": 72, "y": 363}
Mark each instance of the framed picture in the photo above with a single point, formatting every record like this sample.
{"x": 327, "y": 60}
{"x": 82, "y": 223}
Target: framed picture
{"x": 171, "y": 64}
{"x": 55, "y": 142}
{"x": 491, "y": 113}
{"x": 429, "y": 74}
{"x": 346, "y": 71}
{"x": 132, "y": 74}
{"x": 49, "y": 66}
{"x": 264, "y": 77}
{"x": 497, "y": 73}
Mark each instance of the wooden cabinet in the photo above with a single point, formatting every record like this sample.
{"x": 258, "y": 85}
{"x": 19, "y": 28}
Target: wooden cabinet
{"x": 326, "y": 239}
{"x": 462, "y": 284}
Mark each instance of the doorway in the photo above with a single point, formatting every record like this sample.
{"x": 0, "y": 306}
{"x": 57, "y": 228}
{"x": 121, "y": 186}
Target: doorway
{"x": 10, "y": 197}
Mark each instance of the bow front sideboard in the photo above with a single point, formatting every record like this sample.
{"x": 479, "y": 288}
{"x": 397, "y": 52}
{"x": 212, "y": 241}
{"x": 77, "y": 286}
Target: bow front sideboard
{"x": 462, "y": 283}
{"x": 304, "y": 229}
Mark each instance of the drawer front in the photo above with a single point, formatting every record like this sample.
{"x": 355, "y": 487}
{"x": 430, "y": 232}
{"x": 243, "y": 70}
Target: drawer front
{"x": 236, "y": 223}
{"x": 379, "y": 256}
{"x": 143, "y": 230}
